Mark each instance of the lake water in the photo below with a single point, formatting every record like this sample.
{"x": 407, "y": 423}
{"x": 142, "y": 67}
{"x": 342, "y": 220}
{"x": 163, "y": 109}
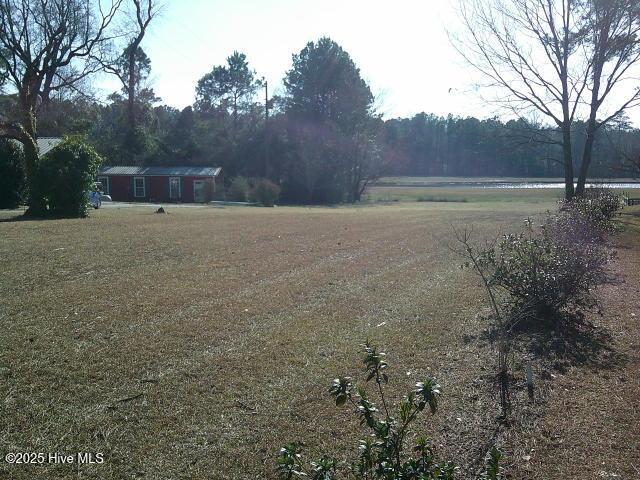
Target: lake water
{"x": 510, "y": 185}
{"x": 559, "y": 185}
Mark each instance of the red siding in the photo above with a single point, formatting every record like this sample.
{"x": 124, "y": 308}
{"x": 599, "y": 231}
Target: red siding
{"x": 187, "y": 189}
{"x": 120, "y": 188}
{"x": 158, "y": 189}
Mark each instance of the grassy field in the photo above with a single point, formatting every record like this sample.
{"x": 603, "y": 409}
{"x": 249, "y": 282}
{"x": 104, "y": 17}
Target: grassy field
{"x": 195, "y": 344}
{"x": 426, "y": 181}
{"x": 462, "y": 195}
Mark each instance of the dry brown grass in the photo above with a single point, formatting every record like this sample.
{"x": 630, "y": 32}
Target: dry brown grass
{"x": 590, "y": 425}
{"x": 230, "y": 323}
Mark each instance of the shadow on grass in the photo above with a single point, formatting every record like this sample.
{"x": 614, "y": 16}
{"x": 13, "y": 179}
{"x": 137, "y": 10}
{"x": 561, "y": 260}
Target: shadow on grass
{"x": 570, "y": 340}
{"x": 24, "y": 216}
{"x": 574, "y": 341}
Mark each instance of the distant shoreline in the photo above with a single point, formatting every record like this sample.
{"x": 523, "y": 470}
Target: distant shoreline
{"x": 497, "y": 182}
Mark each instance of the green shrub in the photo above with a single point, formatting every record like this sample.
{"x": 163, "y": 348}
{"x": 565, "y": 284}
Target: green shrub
{"x": 239, "y": 190}
{"x": 11, "y": 174}
{"x": 265, "y": 192}
{"x": 383, "y": 454}
{"x": 547, "y": 271}
{"x": 65, "y": 175}
{"x": 598, "y": 207}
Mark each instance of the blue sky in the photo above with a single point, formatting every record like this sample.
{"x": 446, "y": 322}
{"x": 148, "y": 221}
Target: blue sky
{"x": 400, "y": 46}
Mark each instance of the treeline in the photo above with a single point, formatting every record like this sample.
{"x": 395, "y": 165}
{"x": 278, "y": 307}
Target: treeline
{"x": 429, "y": 145}
{"x": 248, "y": 145}
{"x": 321, "y": 141}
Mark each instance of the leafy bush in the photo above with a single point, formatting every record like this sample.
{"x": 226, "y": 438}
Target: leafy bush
{"x": 65, "y": 175}
{"x": 239, "y": 190}
{"x": 265, "y": 192}
{"x": 11, "y": 174}
{"x": 492, "y": 460}
{"x": 545, "y": 272}
{"x": 598, "y": 207}
{"x": 383, "y": 454}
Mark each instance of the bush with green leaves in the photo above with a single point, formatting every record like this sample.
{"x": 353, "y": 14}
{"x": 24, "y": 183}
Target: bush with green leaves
{"x": 65, "y": 175}
{"x": 11, "y": 174}
{"x": 597, "y": 207}
{"x": 239, "y": 189}
{"x": 383, "y": 454}
{"x": 265, "y": 192}
{"x": 493, "y": 470}
{"x": 547, "y": 270}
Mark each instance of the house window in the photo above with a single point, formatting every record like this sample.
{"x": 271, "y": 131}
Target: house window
{"x": 174, "y": 188}
{"x": 139, "y": 190}
{"x": 104, "y": 181}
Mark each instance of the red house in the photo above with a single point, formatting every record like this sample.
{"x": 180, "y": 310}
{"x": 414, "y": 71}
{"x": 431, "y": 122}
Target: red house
{"x": 160, "y": 184}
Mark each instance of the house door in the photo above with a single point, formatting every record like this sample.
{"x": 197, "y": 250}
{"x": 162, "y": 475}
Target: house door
{"x": 199, "y": 191}
{"x": 174, "y": 188}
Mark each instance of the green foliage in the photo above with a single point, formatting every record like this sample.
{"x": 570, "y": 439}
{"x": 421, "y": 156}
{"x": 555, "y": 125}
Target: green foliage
{"x": 324, "y": 84}
{"x": 432, "y": 145}
{"x": 288, "y": 462}
{"x": 258, "y": 190}
{"x": 383, "y": 454}
{"x": 548, "y": 270}
{"x": 493, "y": 469}
{"x": 141, "y": 67}
{"x": 264, "y": 192}
{"x": 65, "y": 175}
{"x": 230, "y": 87}
{"x": 239, "y": 190}
{"x": 11, "y": 174}
{"x": 332, "y": 127}
{"x": 598, "y": 207}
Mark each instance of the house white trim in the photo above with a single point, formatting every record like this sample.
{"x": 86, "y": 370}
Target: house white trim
{"x": 135, "y": 187}
{"x": 179, "y": 182}
{"x": 204, "y": 186}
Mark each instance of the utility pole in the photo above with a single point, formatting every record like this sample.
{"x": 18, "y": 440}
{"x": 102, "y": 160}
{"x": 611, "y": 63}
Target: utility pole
{"x": 266, "y": 129}
{"x": 266, "y": 101}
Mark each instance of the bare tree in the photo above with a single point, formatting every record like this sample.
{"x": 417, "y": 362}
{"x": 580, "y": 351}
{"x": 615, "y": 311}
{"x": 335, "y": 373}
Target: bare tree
{"x": 614, "y": 44}
{"x": 47, "y": 47}
{"x": 527, "y": 48}
{"x": 127, "y": 68}
{"x": 546, "y": 55}
{"x": 365, "y": 163}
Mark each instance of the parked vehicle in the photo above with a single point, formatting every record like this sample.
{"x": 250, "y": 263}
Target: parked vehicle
{"x": 96, "y": 196}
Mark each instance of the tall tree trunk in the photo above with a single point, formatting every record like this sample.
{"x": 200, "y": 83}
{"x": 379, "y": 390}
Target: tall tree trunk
{"x": 29, "y": 140}
{"x": 592, "y": 124}
{"x": 567, "y": 161}
{"x": 587, "y": 155}
{"x": 131, "y": 89}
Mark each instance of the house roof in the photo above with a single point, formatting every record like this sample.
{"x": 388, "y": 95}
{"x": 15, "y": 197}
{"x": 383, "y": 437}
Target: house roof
{"x": 45, "y": 144}
{"x": 161, "y": 171}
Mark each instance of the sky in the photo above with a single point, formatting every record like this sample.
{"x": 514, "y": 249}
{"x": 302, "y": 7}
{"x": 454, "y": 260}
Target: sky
{"x": 401, "y": 47}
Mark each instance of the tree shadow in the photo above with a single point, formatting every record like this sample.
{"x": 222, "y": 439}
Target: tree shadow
{"x": 575, "y": 341}
{"x": 15, "y": 218}
{"x": 24, "y": 217}
{"x": 567, "y": 340}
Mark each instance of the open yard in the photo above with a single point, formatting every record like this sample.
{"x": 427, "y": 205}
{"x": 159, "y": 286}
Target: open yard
{"x": 195, "y": 344}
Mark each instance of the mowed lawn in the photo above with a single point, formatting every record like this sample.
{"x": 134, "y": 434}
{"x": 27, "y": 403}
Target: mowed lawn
{"x": 194, "y": 344}
{"x": 425, "y": 193}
